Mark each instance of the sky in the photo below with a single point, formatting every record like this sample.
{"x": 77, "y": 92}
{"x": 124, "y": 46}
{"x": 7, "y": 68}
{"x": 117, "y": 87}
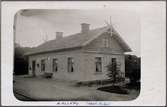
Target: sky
{"x": 33, "y": 27}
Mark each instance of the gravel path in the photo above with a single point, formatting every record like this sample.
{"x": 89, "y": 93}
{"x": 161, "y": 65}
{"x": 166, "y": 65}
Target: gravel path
{"x": 48, "y": 89}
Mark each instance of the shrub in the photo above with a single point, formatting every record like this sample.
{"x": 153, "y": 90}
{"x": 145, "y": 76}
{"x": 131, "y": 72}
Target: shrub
{"x": 114, "y": 89}
{"x": 119, "y": 79}
{"x": 114, "y": 73}
{"x": 135, "y": 85}
{"x": 48, "y": 75}
{"x": 132, "y": 68}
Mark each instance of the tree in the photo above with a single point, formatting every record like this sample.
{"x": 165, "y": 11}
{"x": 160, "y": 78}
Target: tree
{"x": 114, "y": 73}
{"x": 20, "y": 61}
{"x": 132, "y": 68}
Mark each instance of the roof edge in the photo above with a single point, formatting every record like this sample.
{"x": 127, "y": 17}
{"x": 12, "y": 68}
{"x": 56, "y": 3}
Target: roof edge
{"x": 124, "y": 44}
{"x": 57, "y": 50}
{"x": 121, "y": 41}
{"x": 90, "y": 40}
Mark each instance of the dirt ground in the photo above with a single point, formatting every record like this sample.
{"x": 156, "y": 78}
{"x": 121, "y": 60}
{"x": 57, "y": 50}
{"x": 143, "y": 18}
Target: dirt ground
{"x": 28, "y": 88}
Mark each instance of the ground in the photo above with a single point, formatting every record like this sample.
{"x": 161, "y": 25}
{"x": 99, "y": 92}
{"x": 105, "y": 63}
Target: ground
{"x": 28, "y": 88}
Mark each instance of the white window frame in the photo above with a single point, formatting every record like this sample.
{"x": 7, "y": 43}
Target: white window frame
{"x": 70, "y": 64}
{"x": 55, "y": 64}
{"x": 97, "y": 64}
{"x": 43, "y": 69}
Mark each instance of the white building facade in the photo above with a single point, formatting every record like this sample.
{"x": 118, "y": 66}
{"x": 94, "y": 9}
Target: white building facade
{"x": 80, "y": 57}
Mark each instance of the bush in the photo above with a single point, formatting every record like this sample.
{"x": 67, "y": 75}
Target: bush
{"x": 78, "y": 84}
{"x": 135, "y": 85}
{"x": 119, "y": 79}
{"x": 132, "y": 68}
{"x": 20, "y": 61}
{"x": 114, "y": 89}
{"x": 114, "y": 73}
{"x": 48, "y": 75}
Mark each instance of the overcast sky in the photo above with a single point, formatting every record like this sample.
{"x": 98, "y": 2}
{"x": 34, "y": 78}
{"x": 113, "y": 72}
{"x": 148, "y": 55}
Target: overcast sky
{"x": 34, "y": 26}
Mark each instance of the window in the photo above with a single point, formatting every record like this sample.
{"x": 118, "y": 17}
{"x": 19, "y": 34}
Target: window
{"x": 29, "y": 67}
{"x": 98, "y": 62}
{"x": 55, "y": 65}
{"x": 33, "y": 67}
{"x": 70, "y": 64}
{"x": 42, "y": 65}
{"x": 106, "y": 42}
{"x": 38, "y": 65}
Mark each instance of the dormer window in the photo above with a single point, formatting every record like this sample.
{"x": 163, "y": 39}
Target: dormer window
{"x": 106, "y": 42}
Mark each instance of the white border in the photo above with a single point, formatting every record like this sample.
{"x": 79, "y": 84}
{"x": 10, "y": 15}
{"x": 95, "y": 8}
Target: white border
{"x": 153, "y": 81}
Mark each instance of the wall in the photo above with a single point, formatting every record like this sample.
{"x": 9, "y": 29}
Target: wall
{"x": 62, "y": 64}
{"x": 96, "y": 49}
{"x": 84, "y": 60}
{"x": 98, "y": 45}
{"x": 89, "y": 59}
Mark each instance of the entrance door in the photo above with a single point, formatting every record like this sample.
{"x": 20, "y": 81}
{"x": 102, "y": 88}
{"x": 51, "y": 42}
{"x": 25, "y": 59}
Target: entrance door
{"x": 33, "y": 68}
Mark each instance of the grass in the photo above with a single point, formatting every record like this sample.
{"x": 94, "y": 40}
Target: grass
{"x": 114, "y": 89}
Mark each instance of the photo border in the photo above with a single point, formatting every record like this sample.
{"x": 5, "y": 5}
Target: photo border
{"x": 56, "y": 1}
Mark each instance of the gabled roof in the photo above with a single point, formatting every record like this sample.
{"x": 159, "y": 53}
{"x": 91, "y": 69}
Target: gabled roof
{"x": 75, "y": 41}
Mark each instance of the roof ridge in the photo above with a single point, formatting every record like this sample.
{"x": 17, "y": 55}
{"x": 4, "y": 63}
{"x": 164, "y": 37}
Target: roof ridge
{"x": 87, "y": 32}
{"x": 75, "y": 34}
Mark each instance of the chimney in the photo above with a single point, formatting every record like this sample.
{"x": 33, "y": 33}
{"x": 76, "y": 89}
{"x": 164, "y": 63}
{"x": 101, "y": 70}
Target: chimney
{"x": 84, "y": 27}
{"x": 59, "y": 35}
